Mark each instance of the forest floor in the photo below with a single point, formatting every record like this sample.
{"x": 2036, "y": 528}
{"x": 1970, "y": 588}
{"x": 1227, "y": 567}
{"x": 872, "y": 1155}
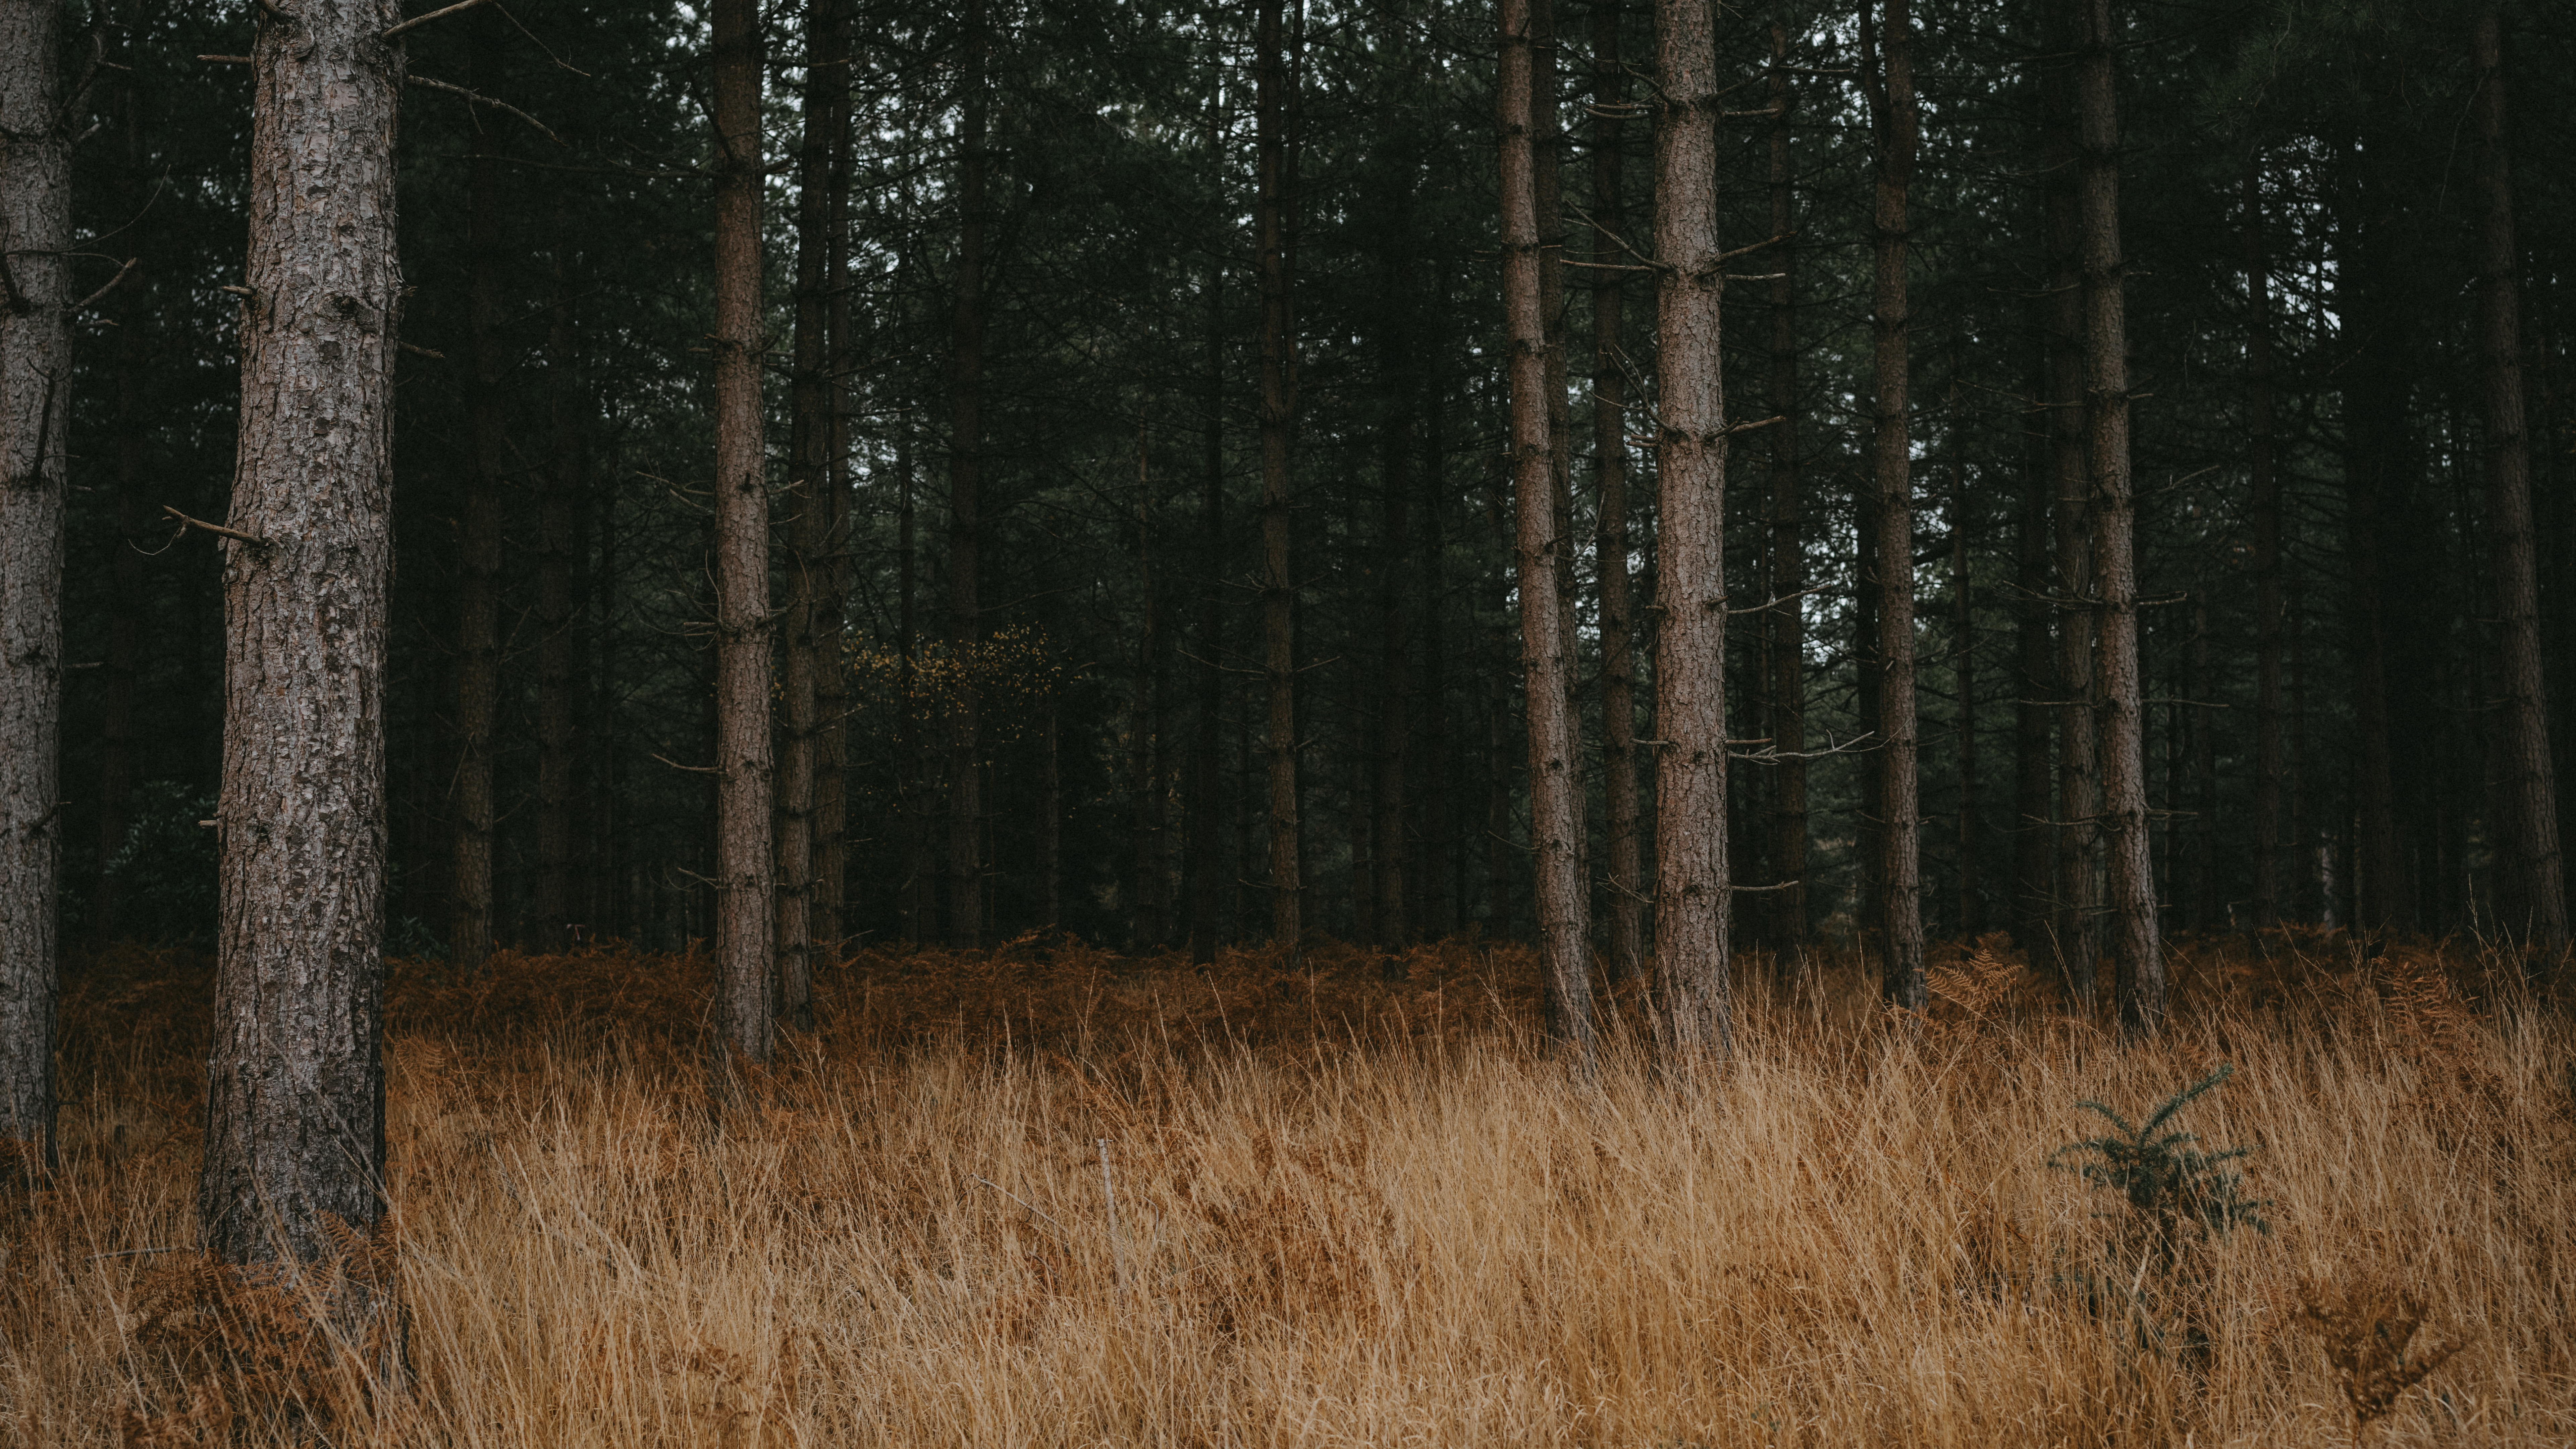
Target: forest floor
{"x": 1047, "y": 1195}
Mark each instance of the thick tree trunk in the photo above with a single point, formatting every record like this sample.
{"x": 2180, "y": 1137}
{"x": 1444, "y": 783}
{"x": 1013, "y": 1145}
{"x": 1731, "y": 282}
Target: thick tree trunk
{"x": 35, "y": 416}
{"x": 1895, "y": 120}
{"x": 2534, "y": 904}
{"x": 746, "y": 994}
{"x": 2137, "y": 950}
{"x": 965, "y": 506}
{"x": 295, "y": 1100}
{"x": 1694, "y": 892}
{"x": 478, "y": 560}
{"x": 1788, "y": 617}
{"x": 1278, "y": 410}
{"x": 2267, "y": 557}
{"x": 1556, "y": 782}
{"x": 1627, "y": 898}
{"x": 2077, "y": 932}
{"x": 560, "y": 548}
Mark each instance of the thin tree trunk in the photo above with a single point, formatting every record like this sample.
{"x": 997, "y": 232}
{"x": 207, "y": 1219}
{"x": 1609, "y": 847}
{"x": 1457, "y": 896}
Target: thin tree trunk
{"x": 746, "y": 995}
{"x": 2535, "y": 905}
{"x": 1050, "y": 830}
{"x": 1440, "y": 890}
{"x": 560, "y": 547}
{"x": 1963, "y": 645}
{"x": 965, "y": 507}
{"x": 2375, "y": 448}
{"x": 2204, "y": 772}
{"x": 1547, "y": 156}
{"x": 1208, "y": 878}
{"x": 1395, "y": 467}
{"x": 2079, "y": 801}
{"x": 478, "y": 562}
{"x": 2137, "y": 950}
{"x": 1556, "y": 783}
{"x": 2267, "y": 557}
{"x": 35, "y": 416}
{"x": 2035, "y": 673}
{"x": 1694, "y": 893}
{"x": 1895, "y": 126}
{"x": 809, "y": 464}
{"x": 1278, "y": 410}
{"x": 125, "y": 570}
{"x": 1788, "y": 618}
{"x": 1610, "y": 539}
{"x": 829, "y": 536}
{"x": 914, "y": 905}
{"x": 1146, "y": 927}
{"x": 295, "y": 1099}
{"x": 1501, "y": 849}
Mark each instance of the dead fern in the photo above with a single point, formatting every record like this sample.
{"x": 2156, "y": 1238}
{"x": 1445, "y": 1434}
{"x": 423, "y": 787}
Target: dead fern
{"x": 2366, "y": 1331}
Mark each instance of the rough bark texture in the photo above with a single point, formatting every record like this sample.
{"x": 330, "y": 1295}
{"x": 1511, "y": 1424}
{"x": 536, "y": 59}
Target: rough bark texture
{"x": 1963, "y": 663}
{"x": 808, "y": 495}
{"x": 1278, "y": 410}
{"x": 2035, "y": 673}
{"x": 1788, "y": 617}
{"x": 2534, "y": 904}
{"x": 2137, "y": 950}
{"x": 2267, "y": 557}
{"x": 746, "y": 993}
{"x": 965, "y": 507}
{"x": 1627, "y": 897}
{"x": 2077, "y": 932}
{"x": 35, "y": 414}
{"x": 117, "y": 754}
{"x": 1895, "y": 122}
{"x": 828, "y": 535}
{"x": 1693, "y": 889}
{"x": 478, "y": 556}
{"x": 295, "y": 1103}
{"x": 1556, "y": 782}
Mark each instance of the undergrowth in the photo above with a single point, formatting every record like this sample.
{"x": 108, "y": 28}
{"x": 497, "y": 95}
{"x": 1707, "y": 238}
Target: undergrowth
{"x": 1051, "y": 1195}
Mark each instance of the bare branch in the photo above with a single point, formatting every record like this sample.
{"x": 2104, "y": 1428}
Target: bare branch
{"x": 85, "y": 303}
{"x": 482, "y": 100}
{"x": 417, "y": 21}
{"x": 253, "y": 539}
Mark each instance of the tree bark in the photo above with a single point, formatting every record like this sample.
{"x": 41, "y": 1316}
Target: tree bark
{"x": 2376, "y": 452}
{"x": 1440, "y": 889}
{"x": 965, "y": 505}
{"x": 1895, "y": 129}
{"x": 2535, "y": 903}
{"x": 1963, "y": 645}
{"x": 35, "y": 416}
{"x": 478, "y": 560}
{"x": 1278, "y": 411}
{"x": 2034, "y": 855}
{"x": 808, "y": 494}
{"x": 1788, "y": 617}
{"x": 295, "y": 1103}
{"x": 1556, "y": 785}
{"x": 1208, "y": 878}
{"x": 117, "y": 736}
{"x": 1694, "y": 893}
{"x": 1146, "y": 920}
{"x": 746, "y": 994}
{"x": 915, "y": 905}
{"x": 1394, "y": 725}
{"x": 2137, "y": 950}
{"x": 829, "y": 535}
{"x": 2267, "y": 556}
{"x": 1627, "y": 899}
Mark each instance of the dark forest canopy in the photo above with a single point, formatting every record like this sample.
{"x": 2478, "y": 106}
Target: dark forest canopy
{"x": 554, "y": 446}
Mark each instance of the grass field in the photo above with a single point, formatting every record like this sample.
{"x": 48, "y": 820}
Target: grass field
{"x": 1049, "y": 1196}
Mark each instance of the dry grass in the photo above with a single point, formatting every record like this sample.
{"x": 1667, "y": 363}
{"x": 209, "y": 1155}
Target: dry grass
{"x": 1427, "y": 1235}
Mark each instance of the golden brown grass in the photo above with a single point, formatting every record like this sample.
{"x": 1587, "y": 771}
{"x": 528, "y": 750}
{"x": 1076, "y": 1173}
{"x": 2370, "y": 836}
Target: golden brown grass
{"x": 1350, "y": 1208}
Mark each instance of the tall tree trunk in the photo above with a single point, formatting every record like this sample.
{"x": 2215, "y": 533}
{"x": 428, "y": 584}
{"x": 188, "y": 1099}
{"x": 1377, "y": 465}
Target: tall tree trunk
{"x": 1208, "y": 877}
{"x": 2204, "y": 772}
{"x": 809, "y": 464}
{"x": 478, "y": 561}
{"x": 1963, "y": 646}
{"x": 829, "y": 534}
{"x": 295, "y": 1089}
{"x": 2076, "y": 936}
{"x": 2267, "y": 556}
{"x": 1555, "y": 743}
{"x": 1441, "y": 889}
{"x": 746, "y": 994}
{"x": 1394, "y": 725}
{"x": 1610, "y": 540}
{"x": 125, "y": 570}
{"x": 1788, "y": 617}
{"x": 1278, "y": 410}
{"x": 1502, "y": 851}
{"x": 2535, "y": 904}
{"x": 1895, "y": 122}
{"x": 2137, "y": 950}
{"x": 2035, "y": 674}
{"x": 35, "y": 416}
{"x": 965, "y": 506}
{"x": 1145, "y": 926}
{"x": 2375, "y": 450}
{"x": 1694, "y": 893}
{"x": 560, "y": 548}
{"x": 914, "y": 904}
